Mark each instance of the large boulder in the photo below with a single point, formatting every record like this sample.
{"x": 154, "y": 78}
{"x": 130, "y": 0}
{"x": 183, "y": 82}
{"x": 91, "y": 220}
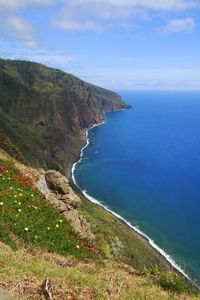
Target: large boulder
{"x": 57, "y": 182}
{"x": 56, "y": 189}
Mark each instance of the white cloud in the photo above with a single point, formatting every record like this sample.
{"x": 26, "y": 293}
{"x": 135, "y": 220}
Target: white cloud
{"x": 70, "y": 24}
{"x": 89, "y": 14}
{"x": 144, "y": 79}
{"x": 96, "y": 4}
{"x": 178, "y": 25}
{"x": 97, "y": 15}
{"x": 19, "y": 29}
{"x": 19, "y": 4}
{"x": 50, "y": 57}
{"x": 147, "y": 4}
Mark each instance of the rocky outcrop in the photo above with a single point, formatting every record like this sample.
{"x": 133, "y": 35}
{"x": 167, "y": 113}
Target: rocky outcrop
{"x": 56, "y": 189}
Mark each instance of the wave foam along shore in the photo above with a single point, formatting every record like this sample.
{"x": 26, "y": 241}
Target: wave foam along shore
{"x": 168, "y": 259}
{"x": 81, "y": 153}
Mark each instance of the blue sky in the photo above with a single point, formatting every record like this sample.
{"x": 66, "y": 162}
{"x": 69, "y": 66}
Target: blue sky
{"x": 117, "y": 44}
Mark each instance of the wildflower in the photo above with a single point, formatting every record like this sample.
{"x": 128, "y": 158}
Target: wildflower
{"x": 60, "y": 221}
{"x": 11, "y": 188}
{"x": 1, "y": 203}
{"x": 15, "y": 196}
{"x": 19, "y": 210}
{"x": 19, "y": 203}
{"x": 77, "y": 246}
{"x": 26, "y": 229}
{"x": 48, "y": 228}
{"x": 32, "y": 195}
{"x": 57, "y": 225}
{"x": 20, "y": 194}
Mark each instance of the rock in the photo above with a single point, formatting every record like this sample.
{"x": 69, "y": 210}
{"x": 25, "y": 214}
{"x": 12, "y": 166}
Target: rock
{"x": 57, "y": 182}
{"x": 42, "y": 186}
{"x": 71, "y": 199}
{"x": 62, "y": 207}
{"x": 79, "y": 224}
{"x": 4, "y": 295}
{"x": 56, "y": 189}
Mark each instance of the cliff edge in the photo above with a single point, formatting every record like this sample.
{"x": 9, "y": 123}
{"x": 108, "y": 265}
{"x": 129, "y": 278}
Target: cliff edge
{"x": 44, "y": 112}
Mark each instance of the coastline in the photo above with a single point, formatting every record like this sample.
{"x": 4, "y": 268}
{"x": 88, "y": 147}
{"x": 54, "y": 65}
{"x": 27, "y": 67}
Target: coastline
{"x": 167, "y": 259}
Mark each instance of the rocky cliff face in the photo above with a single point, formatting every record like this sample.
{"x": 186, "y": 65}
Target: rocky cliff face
{"x": 45, "y": 111}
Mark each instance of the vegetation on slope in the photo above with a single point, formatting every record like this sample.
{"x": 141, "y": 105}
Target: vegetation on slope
{"x": 23, "y": 271}
{"x": 43, "y": 111}
{"x": 116, "y": 266}
{"x": 26, "y": 218}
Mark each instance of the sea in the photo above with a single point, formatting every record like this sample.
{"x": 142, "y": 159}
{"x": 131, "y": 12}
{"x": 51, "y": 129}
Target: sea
{"x": 143, "y": 164}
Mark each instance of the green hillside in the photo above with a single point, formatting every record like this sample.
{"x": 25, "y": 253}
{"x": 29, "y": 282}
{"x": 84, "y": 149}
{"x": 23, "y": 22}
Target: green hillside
{"x": 44, "y": 112}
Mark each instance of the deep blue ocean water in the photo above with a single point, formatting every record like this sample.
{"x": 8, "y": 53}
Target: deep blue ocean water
{"x": 144, "y": 164}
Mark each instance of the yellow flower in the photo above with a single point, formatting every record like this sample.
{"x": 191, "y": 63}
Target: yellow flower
{"x": 77, "y": 246}
{"x": 57, "y": 225}
{"x": 19, "y": 203}
{"x": 61, "y": 221}
{"x": 26, "y": 228}
{"x": 48, "y": 228}
{"x": 1, "y": 203}
{"x": 20, "y": 194}
{"x": 19, "y": 210}
{"x": 15, "y": 196}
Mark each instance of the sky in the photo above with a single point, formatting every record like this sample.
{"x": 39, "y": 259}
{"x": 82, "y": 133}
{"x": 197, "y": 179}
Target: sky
{"x": 116, "y": 44}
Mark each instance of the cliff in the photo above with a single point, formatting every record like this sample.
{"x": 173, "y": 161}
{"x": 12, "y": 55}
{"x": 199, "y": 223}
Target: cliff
{"x": 44, "y": 112}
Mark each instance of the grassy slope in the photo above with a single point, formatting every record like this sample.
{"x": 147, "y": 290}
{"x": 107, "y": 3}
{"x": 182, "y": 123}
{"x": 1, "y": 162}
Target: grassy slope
{"x": 37, "y": 237}
{"x": 23, "y": 271}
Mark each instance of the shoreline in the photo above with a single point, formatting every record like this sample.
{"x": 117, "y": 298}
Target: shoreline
{"x": 167, "y": 259}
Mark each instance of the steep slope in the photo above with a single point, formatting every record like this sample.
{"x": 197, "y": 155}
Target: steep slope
{"x": 44, "y": 112}
{"x": 37, "y": 242}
